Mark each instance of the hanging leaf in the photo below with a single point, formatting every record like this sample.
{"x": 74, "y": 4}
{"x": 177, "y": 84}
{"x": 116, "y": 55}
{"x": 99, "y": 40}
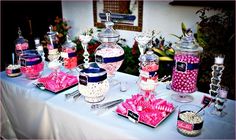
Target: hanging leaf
{"x": 184, "y": 28}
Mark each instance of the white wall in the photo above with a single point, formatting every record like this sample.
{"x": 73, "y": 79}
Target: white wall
{"x": 157, "y": 15}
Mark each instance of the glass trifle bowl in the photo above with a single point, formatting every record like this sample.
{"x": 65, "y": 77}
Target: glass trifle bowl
{"x": 109, "y": 55}
{"x": 185, "y": 70}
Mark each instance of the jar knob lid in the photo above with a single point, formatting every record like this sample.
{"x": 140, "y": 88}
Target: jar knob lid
{"x": 108, "y": 16}
{"x": 19, "y": 31}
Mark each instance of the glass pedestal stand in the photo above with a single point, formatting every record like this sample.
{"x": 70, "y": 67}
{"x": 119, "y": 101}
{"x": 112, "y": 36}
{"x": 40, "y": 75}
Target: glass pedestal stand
{"x": 182, "y": 97}
{"x": 84, "y": 41}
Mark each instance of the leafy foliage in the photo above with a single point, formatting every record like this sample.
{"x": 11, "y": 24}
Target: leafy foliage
{"x": 216, "y": 35}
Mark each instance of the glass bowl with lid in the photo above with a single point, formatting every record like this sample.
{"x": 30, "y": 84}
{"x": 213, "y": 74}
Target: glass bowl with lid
{"x": 109, "y": 55}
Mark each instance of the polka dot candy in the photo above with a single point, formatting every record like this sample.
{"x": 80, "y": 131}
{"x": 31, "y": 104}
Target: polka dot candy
{"x": 185, "y": 81}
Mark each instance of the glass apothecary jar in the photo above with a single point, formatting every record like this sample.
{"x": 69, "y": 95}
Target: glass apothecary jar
{"x": 69, "y": 54}
{"x": 93, "y": 83}
{"x": 21, "y": 44}
{"x": 109, "y": 55}
{"x": 185, "y": 70}
{"x": 149, "y": 65}
{"x": 52, "y": 45}
{"x": 31, "y": 64}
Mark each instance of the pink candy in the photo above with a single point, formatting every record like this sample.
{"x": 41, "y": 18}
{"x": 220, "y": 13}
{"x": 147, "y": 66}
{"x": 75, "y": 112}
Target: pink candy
{"x": 58, "y": 82}
{"x": 32, "y": 72}
{"x": 185, "y": 82}
{"x": 111, "y": 68}
{"x": 71, "y": 62}
{"x": 151, "y": 111}
{"x": 23, "y": 46}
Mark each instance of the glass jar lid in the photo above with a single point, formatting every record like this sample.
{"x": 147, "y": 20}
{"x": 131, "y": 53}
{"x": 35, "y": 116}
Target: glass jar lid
{"x": 108, "y": 34}
{"x": 188, "y": 43}
{"x": 20, "y": 39}
{"x": 149, "y": 57}
{"x": 68, "y": 43}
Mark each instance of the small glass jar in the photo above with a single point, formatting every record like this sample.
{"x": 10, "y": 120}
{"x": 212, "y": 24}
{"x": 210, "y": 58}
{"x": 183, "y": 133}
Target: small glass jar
{"x": 109, "y": 55}
{"x": 188, "y": 122}
{"x": 21, "y": 44}
{"x": 13, "y": 70}
{"x": 185, "y": 70}
{"x": 31, "y": 64}
{"x": 69, "y": 54}
{"x": 149, "y": 65}
{"x": 93, "y": 83}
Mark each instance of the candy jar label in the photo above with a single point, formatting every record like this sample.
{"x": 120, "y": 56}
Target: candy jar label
{"x": 83, "y": 80}
{"x": 206, "y": 100}
{"x": 184, "y": 125}
{"x": 133, "y": 116}
{"x": 181, "y": 66}
{"x": 144, "y": 74}
{"x": 64, "y": 55}
{"x": 98, "y": 59}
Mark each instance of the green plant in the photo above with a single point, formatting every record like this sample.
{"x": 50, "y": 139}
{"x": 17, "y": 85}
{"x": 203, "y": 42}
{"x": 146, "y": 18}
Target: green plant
{"x": 216, "y": 35}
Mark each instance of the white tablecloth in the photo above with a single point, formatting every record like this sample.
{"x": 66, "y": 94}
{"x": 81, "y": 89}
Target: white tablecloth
{"x": 40, "y": 114}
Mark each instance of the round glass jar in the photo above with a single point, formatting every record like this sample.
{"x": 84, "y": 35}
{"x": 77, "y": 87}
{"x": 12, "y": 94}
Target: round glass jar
{"x": 188, "y": 122}
{"x": 69, "y": 54}
{"x": 31, "y": 64}
{"x": 93, "y": 84}
{"x": 185, "y": 70}
{"x": 148, "y": 77}
{"x": 109, "y": 55}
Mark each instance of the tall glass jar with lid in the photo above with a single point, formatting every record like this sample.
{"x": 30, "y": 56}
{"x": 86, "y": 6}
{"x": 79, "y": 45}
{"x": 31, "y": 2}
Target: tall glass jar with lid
{"x": 148, "y": 77}
{"x": 69, "y": 55}
{"x": 185, "y": 70}
{"x": 109, "y": 55}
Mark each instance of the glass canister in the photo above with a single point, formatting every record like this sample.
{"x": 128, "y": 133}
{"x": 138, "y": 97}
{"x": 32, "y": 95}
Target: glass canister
{"x": 52, "y": 46}
{"x": 31, "y": 64}
{"x": 93, "y": 83}
{"x": 109, "y": 55}
{"x": 69, "y": 54}
{"x": 149, "y": 65}
{"x": 21, "y": 44}
{"x": 185, "y": 70}
{"x": 190, "y": 121}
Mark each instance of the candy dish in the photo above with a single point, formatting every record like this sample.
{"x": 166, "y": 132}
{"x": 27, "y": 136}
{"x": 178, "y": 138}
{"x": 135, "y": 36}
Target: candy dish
{"x": 13, "y": 70}
{"x": 145, "y": 109}
{"x": 62, "y": 82}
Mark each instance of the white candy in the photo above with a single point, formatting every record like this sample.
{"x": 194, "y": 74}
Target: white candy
{"x": 94, "y": 91}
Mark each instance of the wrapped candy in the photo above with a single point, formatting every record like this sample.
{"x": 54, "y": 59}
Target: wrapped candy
{"x": 59, "y": 82}
{"x": 150, "y": 112}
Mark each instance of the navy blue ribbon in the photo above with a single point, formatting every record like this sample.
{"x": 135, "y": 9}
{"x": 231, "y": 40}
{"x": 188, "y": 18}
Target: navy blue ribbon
{"x": 94, "y": 79}
{"x": 153, "y": 73}
{"x": 191, "y": 66}
{"x": 15, "y": 70}
{"x": 25, "y": 62}
{"x": 73, "y": 54}
{"x": 100, "y": 59}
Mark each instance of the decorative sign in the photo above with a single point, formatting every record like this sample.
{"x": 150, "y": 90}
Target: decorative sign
{"x": 206, "y": 100}
{"x": 184, "y": 125}
{"x": 83, "y": 80}
{"x": 181, "y": 66}
{"x": 133, "y": 116}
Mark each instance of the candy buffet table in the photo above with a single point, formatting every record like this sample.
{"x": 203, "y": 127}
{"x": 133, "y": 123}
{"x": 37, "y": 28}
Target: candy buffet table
{"x": 40, "y": 114}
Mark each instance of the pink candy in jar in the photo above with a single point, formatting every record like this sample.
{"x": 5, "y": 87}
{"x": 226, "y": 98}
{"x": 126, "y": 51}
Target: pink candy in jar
{"x": 110, "y": 58}
{"x": 148, "y": 77}
{"x": 185, "y": 72}
{"x": 69, "y": 54}
{"x": 187, "y": 58}
{"x": 21, "y": 44}
{"x": 31, "y": 64}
